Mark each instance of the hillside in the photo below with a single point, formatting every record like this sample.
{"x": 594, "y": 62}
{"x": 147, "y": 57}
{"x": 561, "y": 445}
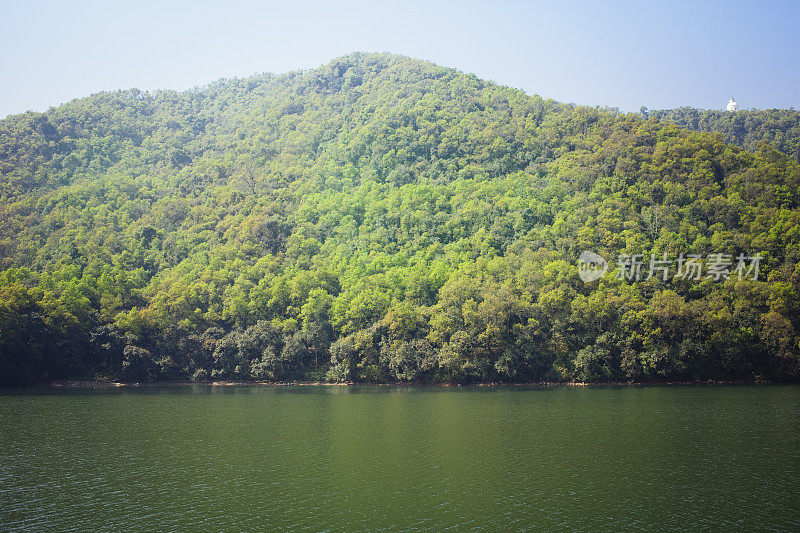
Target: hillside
{"x": 382, "y": 218}
{"x": 750, "y": 129}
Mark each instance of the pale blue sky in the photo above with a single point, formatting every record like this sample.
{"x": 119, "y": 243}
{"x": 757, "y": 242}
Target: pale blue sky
{"x": 621, "y": 54}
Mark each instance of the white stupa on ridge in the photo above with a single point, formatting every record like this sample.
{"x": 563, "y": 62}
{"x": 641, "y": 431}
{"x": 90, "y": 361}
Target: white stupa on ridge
{"x": 732, "y": 105}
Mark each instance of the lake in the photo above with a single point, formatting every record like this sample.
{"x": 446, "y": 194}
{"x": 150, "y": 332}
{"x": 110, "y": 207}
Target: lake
{"x": 400, "y": 458}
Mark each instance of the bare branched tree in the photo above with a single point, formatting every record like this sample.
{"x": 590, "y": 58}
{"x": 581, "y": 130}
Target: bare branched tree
{"x": 250, "y": 180}
{"x": 653, "y": 219}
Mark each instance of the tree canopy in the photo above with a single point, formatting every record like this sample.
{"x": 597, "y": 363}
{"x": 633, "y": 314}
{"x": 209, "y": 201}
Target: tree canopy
{"x": 382, "y": 218}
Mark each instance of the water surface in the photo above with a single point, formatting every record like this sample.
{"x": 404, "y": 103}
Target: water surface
{"x": 400, "y": 458}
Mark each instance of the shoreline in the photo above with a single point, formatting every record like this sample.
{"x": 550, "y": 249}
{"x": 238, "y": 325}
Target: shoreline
{"x": 553, "y": 384}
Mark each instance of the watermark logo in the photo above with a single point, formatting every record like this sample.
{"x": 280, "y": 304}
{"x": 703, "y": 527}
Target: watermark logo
{"x": 714, "y": 266}
{"x": 591, "y": 266}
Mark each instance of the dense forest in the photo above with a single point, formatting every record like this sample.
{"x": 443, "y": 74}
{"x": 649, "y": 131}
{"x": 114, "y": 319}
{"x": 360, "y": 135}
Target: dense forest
{"x": 385, "y": 219}
{"x": 750, "y": 129}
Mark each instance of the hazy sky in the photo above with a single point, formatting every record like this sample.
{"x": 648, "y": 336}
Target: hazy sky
{"x": 620, "y": 54}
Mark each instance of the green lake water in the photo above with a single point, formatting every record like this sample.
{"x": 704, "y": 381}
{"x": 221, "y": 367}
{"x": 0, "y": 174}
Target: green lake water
{"x": 400, "y": 458}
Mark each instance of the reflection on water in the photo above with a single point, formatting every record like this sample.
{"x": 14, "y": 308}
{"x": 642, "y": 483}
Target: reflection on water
{"x": 372, "y": 458}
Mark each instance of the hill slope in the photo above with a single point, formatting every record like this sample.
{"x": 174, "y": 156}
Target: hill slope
{"x": 750, "y": 129}
{"x": 382, "y": 218}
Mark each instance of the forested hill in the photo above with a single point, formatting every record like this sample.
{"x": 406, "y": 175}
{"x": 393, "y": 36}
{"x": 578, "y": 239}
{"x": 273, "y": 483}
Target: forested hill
{"x": 385, "y": 219}
{"x": 750, "y": 129}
